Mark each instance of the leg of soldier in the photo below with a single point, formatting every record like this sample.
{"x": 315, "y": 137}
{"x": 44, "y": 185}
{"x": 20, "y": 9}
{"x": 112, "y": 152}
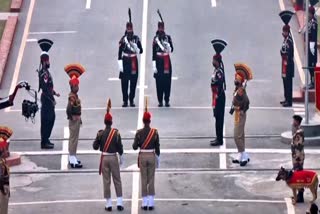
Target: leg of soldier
{"x": 43, "y": 125}
{"x": 74, "y": 128}
{"x": 115, "y": 171}
{"x": 143, "y": 174}
{"x": 150, "y": 173}
{"x": 124, "y": 88}
{"x": 289, "y": 90}
{"x": 133, "y": 85}
{"x": 284, "y": 88}
{"x": 106, "y": 176}
{"x": 52, "y": 118}
{"x": 167, "y": 88}
{"x": 239, "y": 134}
{"x": 220, "y": 117}
{"x": 4, "y": 201}
{"x": 159, "y": 89}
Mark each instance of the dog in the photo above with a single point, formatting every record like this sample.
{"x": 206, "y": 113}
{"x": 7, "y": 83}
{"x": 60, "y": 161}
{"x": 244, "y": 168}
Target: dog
{"x": 298, "y": 180}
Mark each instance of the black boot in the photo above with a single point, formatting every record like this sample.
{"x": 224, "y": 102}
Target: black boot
{"x": 300, "y": 198}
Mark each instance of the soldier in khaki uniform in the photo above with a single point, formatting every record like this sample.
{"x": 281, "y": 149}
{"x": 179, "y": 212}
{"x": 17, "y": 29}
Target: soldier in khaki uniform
{"x": 109, "y": 143}
{"x": 147, "y": 139}
{"x": 5, "y": 133}
{"x": 297, "y": 150}
{"x": 74, "y": 112}
{"x": 241, "y": 105}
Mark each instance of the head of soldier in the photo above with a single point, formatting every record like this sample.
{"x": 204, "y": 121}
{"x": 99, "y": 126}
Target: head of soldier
{"x": 312, "y": 12}
{"x": 108, "y": 119}
{"x": 44, "y": 58}
{"x": 146, "y": 118}
{"x": 296, "y": 121}
{"x": 216, "y": 60}
{"x": 285, "y": 31}
{"x": 129, "y": 30}
{"x": 3, "y": 148}
{"x": 74, "y": 84}
{"x": 238, "y": 81}
{"x": 160, "y": 30}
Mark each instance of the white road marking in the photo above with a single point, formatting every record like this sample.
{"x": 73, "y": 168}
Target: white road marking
{"x": 156, "y": 199}
{"x": 300, "y": 113}
{"x": 296, "y": 54}
{"x": 174, "y": 78}
{"x": 213, "y": 3}
{"x": 223, "y": 156}
{"x": 113, "y": 79}
{"x": 31, "y": 40}
{"x": 64, "y": 157}
{"x": 21, "y": 50}
{"x": 290, "y": 207}
{"x": 143, "y": 87}
{"x": 88, "y": 4}
{"x": 52, "y": 32}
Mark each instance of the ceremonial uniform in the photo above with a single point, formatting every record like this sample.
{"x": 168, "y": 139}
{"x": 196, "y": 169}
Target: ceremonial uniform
{"x": 108, "y": 141}
{"x": 161, "y": 48}
{"x": 47, "y": 96}
{"x": 312, "y": 48}
{"x": 147, "y": 139}
{"x": 129, "y": 48}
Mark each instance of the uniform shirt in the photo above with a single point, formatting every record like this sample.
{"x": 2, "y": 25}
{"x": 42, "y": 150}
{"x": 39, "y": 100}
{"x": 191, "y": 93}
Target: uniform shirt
{"x": 126, "y": 47}
{"x": 141, "y": 136}
{"x": 46, "y": 84}
{"x": 166, "y": 43}
{"x": 313, "y": 30}
{"x": 115, "y": 145}
{"x": 74, "y": 105}
{"x": 4, "y": 174}
{"x": 218, "y": 80}
{"x": 287, "y": 52}
{"x": 241, "y": 100}
{"x": 297, "y": 149}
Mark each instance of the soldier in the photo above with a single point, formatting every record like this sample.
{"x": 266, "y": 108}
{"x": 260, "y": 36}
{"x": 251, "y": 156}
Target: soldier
{"x": 74, "y": 71}
{"x": 47, "y": 96}
{"x": 241, "y": 105}
{"x": 218, "y": 86}
{"x": 147, "y": 139}
{"x": 5, "y": 134}
{"x": 297, "y": 150}
{"x": 109, "y": 143}
{"x": 312, "y": 49}
{"x": 129, "y": 47}
{"x": 286, "y": 52}
{"x": 161, "y": 63}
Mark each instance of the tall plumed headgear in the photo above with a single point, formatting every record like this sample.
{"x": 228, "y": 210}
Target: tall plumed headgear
{"x": 218, "y": 46}
{"x": 286, "y": 16}
{"x": 129, "y": 26}
{"x": 243, "y": 72}
{"x": 108, "y": 115}
{"x": 5, "y": 134}
{"x": 146, "y": 115}
{"x": 74, "y": 71}
{"x": 45, "y": 45}
{"x": 160, "y": 22}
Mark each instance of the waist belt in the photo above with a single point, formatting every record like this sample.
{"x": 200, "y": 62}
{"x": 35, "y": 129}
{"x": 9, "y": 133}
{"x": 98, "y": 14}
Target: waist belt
{"x": 147, "y": 150}
{"x": 129, "y": 55}
{"x": 162, "y": 54}
{"x": 108, "y": 154}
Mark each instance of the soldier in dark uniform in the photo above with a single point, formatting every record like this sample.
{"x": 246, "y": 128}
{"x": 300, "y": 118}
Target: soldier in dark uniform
{"x": 73, "y": 111}
{"x": 47, "y": 96}
{"x": 162, "y": 68}
{"x": 129, "y": 47}
{"x": 218, "y": 86}
{"x": 286, "y": 51}
{"x": 147, "y": 139}
{"x": 5, "y": 133}
{"x": 312, "y": 49}
{"x": 109, "y": 143}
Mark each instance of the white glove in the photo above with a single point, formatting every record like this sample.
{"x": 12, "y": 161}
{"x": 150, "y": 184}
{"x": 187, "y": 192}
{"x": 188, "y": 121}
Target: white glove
{"x": 120, "y": 65}
{"x": 121, "y": 160}
{"x": 135, "y": 47}
{"x": 154, "y": 67}
{"x": 158, "y": 161}
{"x": 312, "y": 48}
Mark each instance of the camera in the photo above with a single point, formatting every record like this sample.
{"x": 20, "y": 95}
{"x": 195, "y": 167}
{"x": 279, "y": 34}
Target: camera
{"x": 231, "y": 110}
{"x": 29, "y": 109}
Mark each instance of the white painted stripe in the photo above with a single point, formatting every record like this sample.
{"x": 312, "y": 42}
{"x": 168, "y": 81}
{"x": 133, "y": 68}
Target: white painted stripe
{"x": 300, "y": 113}
{"x": 113, "y": 79}
{"x": 21, "y": 50}
{"x": 88, "y": 4}
{"x": 135, "y": 192}
{"x": 223, "y": 156}
{"x": 156, "y": 199}
{"x": 31, "y": 40}
{"x": 175, "y": 151}
{"x": 143, "y": 87}
{"x": 53, "y": 32}
{"x": 64, "y": 157}
{"x": 290, "y": 207}
{"x": 174, "y": 78}
{"x": 298, "y": 109}
{"x": 213, "y": 3}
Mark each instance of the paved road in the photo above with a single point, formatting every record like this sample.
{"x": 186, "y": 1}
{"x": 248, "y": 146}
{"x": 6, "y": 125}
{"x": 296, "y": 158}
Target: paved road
{"x": 193, "y": 177}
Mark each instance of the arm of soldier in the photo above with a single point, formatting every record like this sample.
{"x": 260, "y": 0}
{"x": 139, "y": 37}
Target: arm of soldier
{"x": 139, "y": 45}
{"x": 157, "y": 143}
{"x": 2, "y": 181}
{"x": 170, "y": 42}
{"x": 119, "y": 144}
{"x": 136, "y": 141}
{"x": 96, "y": 142}
{"x": 69, "y": 107}
{"x": 291, "y": 50}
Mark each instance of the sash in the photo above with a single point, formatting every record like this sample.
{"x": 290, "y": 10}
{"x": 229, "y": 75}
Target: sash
{"x": 284, "y": 66}
{"x": 148, "y": 139}
{"x": 133, "y": 65}
{"x": 106, "y": 147}
{"x": 214, "y": 90}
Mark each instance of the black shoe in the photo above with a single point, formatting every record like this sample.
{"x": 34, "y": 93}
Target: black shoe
{"x": 167, "y": 104}
{"x": 120, "y": 208}
{"x": 244, "y": 163}
{"x": 151, "y": 208}
{"x": 144, "y": 208}
{"x": 47, "y": 146}
{"x": 282, "y": 102}
{"x": 125, "y": 105}
{"x": 236, "y": 161}
{"x": 77, "y": 165}
{"x": 160, "y": 105}
{"x": 216, "y": 143}
{"x": 109, "y": 209}
{"x": 132, "y": 104}
{"x": 311, "y": 86}
{"x": 286, "y": 104}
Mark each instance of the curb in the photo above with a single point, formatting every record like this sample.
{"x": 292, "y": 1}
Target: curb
{"x": 15, "y": 6}
{"x": 6, "y": 42}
